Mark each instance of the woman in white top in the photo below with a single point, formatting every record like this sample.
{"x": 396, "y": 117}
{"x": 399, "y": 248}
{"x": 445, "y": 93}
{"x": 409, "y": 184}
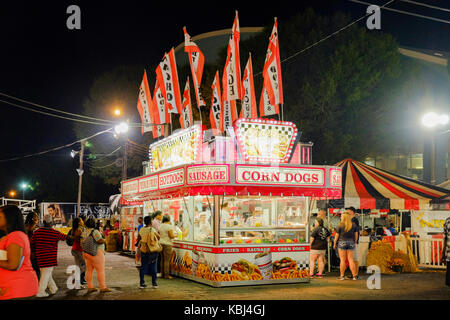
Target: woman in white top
{"x": 166, "y": 241}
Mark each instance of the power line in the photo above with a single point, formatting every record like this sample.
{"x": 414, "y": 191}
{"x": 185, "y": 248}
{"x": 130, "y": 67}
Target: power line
{"x": 406, "y": 12}
{"x": 54, "y": 149}
{"x": 327, "y": 37}
{"x": 53, "y": 115}
{"x": 101, "y": 167}
{"x": 56, "y": 110}
{"x": 426, "y": 5}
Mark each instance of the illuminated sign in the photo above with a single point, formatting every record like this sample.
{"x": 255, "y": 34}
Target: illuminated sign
{"x": 283, "y": 176}
{"x": 262, "y": 140}
{"x": 171, "y": 178}
{"x": 180, "y": 148}
{"x": 130, "y": 187}
{"x": 335, "y": 177}
{"x": 207, "y": 174}
{"x": 148, "y": 183}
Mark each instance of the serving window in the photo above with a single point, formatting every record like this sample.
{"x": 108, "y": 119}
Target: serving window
{"x": 254, "y": 220}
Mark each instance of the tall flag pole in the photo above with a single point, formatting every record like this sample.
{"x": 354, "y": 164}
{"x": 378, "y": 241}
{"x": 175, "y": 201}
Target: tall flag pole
{"x": 196, "y": 61}
{"x": 186, "y": 110}
{"x": 216, "y": 103}
{"x": 273, "y": 86}
{"x": 248, "y": 91}
{"x": 145, "y": 105}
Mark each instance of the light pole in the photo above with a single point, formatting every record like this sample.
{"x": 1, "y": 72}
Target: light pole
{"x": 80, "y": 175}
{"x": 122, "y": 128}
{"x": 431, "y": 120}
{"x": 23, "y": 186}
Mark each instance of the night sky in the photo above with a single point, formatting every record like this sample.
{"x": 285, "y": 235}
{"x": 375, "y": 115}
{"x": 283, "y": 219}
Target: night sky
{"x": 44, "y": 62}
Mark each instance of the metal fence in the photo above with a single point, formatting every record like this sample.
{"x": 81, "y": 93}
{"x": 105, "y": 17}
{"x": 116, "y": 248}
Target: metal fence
{"x": 428, "y": 252}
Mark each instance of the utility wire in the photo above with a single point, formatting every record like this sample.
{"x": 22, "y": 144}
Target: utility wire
{"x": 101, "y": 167}
{"x": 56, "y": 110}
{"x": 57, "y": 148}
{"x": 54, "y": 115}
{"x": 327, "y": 37}
{"x": 426, "y": 5}
{"x": 405, "y": 12}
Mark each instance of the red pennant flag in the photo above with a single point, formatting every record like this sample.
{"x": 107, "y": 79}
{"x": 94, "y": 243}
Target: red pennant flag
{"x": 272, "y": 69}
{"x": 186, "y": 111}
{"x": 216, "y": 103}
{"x": 160, "y": 112}
{"x": 145, "y": 105}
{"x": 248, "y": 91}
{"x": 265, "y": 107}
{"x": 196, "y": 61}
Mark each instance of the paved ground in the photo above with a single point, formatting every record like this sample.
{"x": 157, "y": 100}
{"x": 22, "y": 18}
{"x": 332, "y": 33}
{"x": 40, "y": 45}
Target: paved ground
{"x": 122, "y": 277}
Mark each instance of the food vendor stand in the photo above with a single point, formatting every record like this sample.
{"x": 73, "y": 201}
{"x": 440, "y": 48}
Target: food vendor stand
{"x": 240, "y": 204}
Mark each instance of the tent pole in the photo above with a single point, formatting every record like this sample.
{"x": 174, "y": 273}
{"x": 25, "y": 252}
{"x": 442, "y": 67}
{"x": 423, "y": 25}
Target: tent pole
{"x": 329, "y": 258}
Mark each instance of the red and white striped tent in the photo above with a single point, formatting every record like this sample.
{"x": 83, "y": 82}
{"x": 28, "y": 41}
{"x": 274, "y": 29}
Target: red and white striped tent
{"x": 367, "y": 187}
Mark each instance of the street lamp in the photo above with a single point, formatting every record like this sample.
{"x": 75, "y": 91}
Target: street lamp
{"x": 431, "y": 120}
{"x": 23, "y": 186}
{"x": 12, "y": 193}
{"x": 122, "y": 128}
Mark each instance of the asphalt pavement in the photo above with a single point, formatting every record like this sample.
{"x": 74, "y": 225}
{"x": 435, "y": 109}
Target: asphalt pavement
{"x": 122, "y": 277}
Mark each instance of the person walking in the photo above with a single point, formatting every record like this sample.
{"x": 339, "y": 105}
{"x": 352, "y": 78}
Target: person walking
{"x": 17, "y": 277}
{"x": 31, "y": 222}
{"x": 446, "y": 250}
{"x": 77, "y": 251}
{"x": 167, "y": 236}
{"x": 96, "y": 262}
{"x": 149, "y": 259}
{"x": 156, "y": 222}
{"x": 345, "y": 239}
{"x": 45, "y": 240}
{"x": 319, "y": 243}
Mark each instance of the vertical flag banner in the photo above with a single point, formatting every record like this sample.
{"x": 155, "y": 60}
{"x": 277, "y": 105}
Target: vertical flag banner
{"x": 196, "y": 61}
{"x": 232, "y": 74}
{"x": 248, "y": 91}
{"x": 228, "y": 115}
{"x": 145, "y": 105}
{"x": 265, "y": 107}
{"x": 216, "y": 103}
{"x": 167, "y": 74}
{"x": 161, "y": 113}
{"x": 272, "y": 69}
{"x": 186, "y": 119}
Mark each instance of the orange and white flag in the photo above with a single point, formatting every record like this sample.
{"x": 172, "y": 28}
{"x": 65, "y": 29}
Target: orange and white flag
{"x": 196, "y": 61}
{"x": 272, "y": 69}
{"x": 248, "y": 91}
{"x": 160, "y": 112}
{"x": 167, "y": 74}
{"x": 228, "y": 115}
{"x": 266, "y": 108}
{"x": 186, "y": 110}
{"x": 216, "y": 103}
{"x": 232, "y": 88}
{"x": 145, "y": 105}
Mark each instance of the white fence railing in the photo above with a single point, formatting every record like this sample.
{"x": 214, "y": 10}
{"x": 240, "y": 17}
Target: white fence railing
{"x": 24, "y": 205}
{"x": 428, "y": 252}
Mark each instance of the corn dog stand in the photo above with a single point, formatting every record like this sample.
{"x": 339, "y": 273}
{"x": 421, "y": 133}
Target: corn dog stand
{"x": 239, "y": 204}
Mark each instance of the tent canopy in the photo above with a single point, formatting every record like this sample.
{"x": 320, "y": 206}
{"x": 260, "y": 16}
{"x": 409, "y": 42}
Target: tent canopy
{"x": 367, "y": 187}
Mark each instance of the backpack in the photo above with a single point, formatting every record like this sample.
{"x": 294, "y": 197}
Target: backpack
{"x": 89, "y": 245}
{"x": 70, "y": 238}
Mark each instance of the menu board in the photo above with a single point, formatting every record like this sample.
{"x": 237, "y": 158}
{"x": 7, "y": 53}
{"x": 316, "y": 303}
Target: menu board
{"x": 180, "y": 148}
{"x": 265, "y": 141}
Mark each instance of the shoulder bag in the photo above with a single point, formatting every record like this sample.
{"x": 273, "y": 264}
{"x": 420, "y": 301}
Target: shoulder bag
{"x": 70, "y": 238}
{"x": 89, "y": 245}
{"x": 154, "y": 245}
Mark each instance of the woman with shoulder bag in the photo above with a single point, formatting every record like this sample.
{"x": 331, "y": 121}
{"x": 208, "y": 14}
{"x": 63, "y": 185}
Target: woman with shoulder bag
{"x": 77, "y": 251}
{"x": 150, "y": 248}
{"x": 93, "y": 242}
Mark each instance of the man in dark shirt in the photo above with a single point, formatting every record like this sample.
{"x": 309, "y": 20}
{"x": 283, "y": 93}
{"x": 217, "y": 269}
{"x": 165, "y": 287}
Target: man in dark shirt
{"x": 351, "y": 212}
